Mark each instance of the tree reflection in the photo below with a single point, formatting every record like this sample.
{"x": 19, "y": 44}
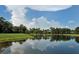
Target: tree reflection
{"x": 46, "y": 37}
{"x": 60, "y": 37}
{"x": 77, "y": 39}
{"x": 4, "y": 45}
{"x": 38, "y": 37}
{"x": 22, "y": 41}
{"x": 52, "y": 37}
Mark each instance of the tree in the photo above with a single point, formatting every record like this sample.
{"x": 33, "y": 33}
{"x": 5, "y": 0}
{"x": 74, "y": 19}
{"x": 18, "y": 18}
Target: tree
{"x": 7, "y": 28}
{"x": 15, "y": 29}
{"x": 22, "y": 29}
{"x": 77, "y": 30}
{"x": 60, "y": 30}
{"x": 52, "y": 30}
{"x": 2, "y": 21}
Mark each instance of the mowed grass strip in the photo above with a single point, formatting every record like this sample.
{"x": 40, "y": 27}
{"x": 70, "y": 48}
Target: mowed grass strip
{"x": 14, "y": 37}
{"x": 20, "y": 36}
{"x": 75, "y": 35}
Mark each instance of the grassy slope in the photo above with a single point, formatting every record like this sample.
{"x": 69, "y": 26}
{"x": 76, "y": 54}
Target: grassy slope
{"x": 76, "y": 35}
{"x": 61, "y": 34}
{"x": 14, "y": 37}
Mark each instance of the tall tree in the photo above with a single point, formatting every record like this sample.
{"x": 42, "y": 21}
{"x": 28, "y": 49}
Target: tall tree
{"x": 7, "y": 28}
{"x": 22, "y": 29}
{"x": 77, "y": 30}
{"x": 2, "y": 21}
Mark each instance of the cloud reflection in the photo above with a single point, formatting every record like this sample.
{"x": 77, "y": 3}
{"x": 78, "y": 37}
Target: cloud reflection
{"x": 31, "y": 46}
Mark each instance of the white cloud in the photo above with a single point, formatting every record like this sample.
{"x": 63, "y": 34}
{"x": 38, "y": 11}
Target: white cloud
{"x": 49, "y": 7}
{"x": 30, "y": 46}
{"x": 18, "y": 15}
{"x": 67, "y": 27}
{"x": 71, "y": 21}
{"x": 43, "y": 23}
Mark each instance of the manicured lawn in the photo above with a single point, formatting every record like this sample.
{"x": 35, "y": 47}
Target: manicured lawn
{"x": 14, "y": 37}
{"x": 19, "y": 36}
{"x": 75, "y": 35}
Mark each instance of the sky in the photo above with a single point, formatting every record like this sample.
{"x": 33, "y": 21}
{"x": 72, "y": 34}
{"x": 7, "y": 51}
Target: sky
{"x": 42, "y": 16}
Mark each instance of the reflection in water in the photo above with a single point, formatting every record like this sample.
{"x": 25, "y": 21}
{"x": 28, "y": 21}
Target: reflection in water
{"x": 33, "y": 46}
{"x": 59, "y": 38}
{"x": 77, "y": 39}
{"x": 4, "y": 45}
{"x": 42, "y": 44}
{"x": 38, "y": 37}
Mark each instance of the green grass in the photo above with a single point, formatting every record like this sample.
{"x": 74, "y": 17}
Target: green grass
{"x": 75, "y": 35}
{"x": 19, "y": 36}
{"x": 14, "y": 37}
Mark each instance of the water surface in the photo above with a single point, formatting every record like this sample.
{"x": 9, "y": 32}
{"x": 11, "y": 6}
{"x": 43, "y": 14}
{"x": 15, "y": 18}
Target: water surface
{"x": 42, "y": 45}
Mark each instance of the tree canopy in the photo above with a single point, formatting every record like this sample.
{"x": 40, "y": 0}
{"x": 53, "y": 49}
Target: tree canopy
{"x": 7, "y": 27}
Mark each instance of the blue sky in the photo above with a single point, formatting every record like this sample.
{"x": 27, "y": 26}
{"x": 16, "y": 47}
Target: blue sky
{"x": 68, "y": 17}
{"x": 4, "y": 12}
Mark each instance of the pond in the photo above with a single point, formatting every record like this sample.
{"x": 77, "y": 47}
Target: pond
{"x": 42, "y": 45}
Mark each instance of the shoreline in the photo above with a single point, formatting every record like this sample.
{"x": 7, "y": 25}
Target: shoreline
{"x": 4, "y": 37}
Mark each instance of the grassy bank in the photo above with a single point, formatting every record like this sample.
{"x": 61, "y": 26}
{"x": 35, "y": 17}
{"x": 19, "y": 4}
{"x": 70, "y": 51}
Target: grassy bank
{"x": 14, "y": 37}
{"x": 19, "y": 36}
{"x": 75, "y": 35}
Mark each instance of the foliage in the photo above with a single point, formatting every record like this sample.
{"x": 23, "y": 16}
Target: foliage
{"x": 7, "y": 27}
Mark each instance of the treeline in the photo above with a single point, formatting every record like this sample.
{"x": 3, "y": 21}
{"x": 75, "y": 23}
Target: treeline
{"x": 7, "y": 27}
